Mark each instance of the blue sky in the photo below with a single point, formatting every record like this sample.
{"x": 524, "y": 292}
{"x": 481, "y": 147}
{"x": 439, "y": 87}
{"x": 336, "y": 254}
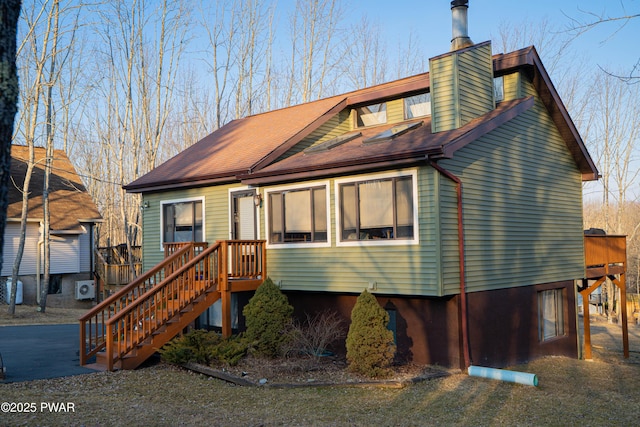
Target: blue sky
{"x": 608, "y": 45}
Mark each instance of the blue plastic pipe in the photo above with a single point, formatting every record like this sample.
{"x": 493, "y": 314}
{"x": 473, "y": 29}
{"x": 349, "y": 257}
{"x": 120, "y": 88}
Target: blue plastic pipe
{"x": 504, "y": 375}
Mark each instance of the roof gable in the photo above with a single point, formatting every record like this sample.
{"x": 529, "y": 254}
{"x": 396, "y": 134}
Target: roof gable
{"x": 253, "y": 148}
{"x": 69, "y": 202}
{"x": 363, "y": 151}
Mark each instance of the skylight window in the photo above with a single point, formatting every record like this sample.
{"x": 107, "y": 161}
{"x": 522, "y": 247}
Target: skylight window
{"x": 328, "y": 145}
{"x": 417, "y": 106}
{"x": 393, "y": 132}
{"x": 371, "y": 115}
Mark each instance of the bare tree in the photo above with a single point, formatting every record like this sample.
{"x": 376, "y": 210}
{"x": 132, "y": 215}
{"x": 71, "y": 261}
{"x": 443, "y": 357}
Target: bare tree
{"x": 316, "y": 50}
{"x": 9, "y": 14}
{"x": 239, "y": 44}
{"x": 589, "y": 20}
{"x": 136, "y": 66}
{"x": 366, "y": 63}
{"x": 32, "y": 53}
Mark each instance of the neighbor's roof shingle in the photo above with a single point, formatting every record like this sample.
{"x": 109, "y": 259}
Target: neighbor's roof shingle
{"x": 69, "y": 202}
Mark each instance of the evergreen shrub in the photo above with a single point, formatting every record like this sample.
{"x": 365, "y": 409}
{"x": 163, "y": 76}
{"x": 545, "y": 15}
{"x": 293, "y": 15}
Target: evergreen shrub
{"x": 207, "y": 348}
{"x": 267, "y": 316}
{"x": 370, "y": 346}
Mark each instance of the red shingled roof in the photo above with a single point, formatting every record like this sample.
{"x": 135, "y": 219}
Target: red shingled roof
{"x": 246, "y": 149}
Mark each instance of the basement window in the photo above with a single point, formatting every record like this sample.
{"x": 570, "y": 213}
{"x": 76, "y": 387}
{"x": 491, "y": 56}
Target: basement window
{"x": 371, "y": 115}
{"x": 417, "y": 106}
{"x": 550, "y": 314}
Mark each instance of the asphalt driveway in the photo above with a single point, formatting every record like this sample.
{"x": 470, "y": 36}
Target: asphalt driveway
{"x": 40, "y": 351}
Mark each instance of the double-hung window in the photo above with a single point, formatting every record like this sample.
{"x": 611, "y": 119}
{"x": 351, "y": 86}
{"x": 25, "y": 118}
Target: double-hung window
{"x": 182, "y": 221}
{"x": 298, "y": 215}
{"x": 380, "y": 209}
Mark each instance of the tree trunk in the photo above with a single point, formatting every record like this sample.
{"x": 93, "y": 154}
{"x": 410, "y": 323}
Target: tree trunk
{"x": 9, "y": 13}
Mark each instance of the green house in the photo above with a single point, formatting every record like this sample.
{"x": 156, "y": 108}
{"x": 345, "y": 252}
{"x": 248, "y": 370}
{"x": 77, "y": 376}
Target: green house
{"x": 454, "y": 196}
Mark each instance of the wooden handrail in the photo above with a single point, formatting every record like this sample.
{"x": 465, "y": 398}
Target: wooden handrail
{"x": 93, "y": 323}
{"x": 150, "y": 311}
{"x": 128, "y": 318}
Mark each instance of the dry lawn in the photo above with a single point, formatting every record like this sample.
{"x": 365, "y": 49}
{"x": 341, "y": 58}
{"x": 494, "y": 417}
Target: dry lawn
{"x": 28, "y": 315}
{"x": 605, "y": 391}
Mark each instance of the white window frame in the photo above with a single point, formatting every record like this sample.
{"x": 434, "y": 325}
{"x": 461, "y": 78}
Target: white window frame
{"x": 230, "y": 202}
{"x": 183, "y": 200}
{"x": 358, "y": 116}
{"x": 302, "y": 186}
{"x": 413, "y": 173}
{"x": 407, "y": 108}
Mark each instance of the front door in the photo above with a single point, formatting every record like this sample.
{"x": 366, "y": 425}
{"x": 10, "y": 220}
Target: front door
{"x": 243, "y": 227}
{"x": 243, "y": 215}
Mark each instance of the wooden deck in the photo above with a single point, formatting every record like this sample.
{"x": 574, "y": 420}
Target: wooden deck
{"x": 130, "y": 325}
{"x": 115, "y": 267}
{"x": 605, "y": 258}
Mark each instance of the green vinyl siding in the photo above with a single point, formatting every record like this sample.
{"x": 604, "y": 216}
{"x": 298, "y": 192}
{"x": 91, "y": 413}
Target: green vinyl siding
{"x": 395, "y": 269}
{"x": 522, "y": 208}
{"x": 395, "y": 111}
{"x": 461, "y": 87}
{"x": 216, "y": 218}
{"x": 444, "y": 93}
{"x": 475, "y": 81}
{"x": 513, "y": 86}
{"x": 337, "y": 125}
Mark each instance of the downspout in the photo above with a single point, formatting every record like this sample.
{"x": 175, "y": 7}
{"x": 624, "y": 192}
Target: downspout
{"x": 463, "y": 291}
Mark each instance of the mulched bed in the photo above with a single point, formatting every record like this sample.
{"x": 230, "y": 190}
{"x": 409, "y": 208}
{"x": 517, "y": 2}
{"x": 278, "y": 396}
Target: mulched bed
{"x": 312, "y": 372}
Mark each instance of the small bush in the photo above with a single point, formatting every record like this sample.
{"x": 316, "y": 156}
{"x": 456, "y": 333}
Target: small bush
{"x": 370, "y": 346}
{"x": 200, "y": 346}
{"x": 316, "y": 334}
{"x": 267, "y": 315}
{"x": 230, "y": 351}
{"x": 194, "y": 346}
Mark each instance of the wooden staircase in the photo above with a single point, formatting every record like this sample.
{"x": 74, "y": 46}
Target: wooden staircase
{"x": 125, "y": 329}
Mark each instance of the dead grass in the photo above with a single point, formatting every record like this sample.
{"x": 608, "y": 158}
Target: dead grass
{"x": 28, "y": 315}
{"x": 605, "y": 391}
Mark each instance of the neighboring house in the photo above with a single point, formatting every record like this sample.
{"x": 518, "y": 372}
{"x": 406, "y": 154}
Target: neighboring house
{"x": 455, "y": 196}
{"x": 73, "y": 216}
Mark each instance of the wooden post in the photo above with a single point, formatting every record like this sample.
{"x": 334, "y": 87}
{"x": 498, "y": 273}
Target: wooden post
{"x": 225, "y": 291}
{"x": 586, "y": 326}
{"x": 625, "y": 325}
{"x": 585, "y": 317}
{"x": 83, "y": 343}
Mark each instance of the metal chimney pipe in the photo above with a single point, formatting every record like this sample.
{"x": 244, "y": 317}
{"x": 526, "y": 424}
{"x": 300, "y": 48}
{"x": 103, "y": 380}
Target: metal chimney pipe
{"x": 460, "y": 27}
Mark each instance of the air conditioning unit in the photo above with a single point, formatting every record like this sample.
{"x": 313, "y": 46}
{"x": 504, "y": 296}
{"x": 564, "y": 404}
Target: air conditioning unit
{"x": 85, "y": 289}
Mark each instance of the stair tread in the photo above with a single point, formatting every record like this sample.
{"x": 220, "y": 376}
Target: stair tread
{"x": 179, "y": 312}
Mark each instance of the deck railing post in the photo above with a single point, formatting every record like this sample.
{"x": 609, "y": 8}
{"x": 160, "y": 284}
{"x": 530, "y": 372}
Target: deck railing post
{"x": 225, "y": 292}
{"x": 263, "y": 265}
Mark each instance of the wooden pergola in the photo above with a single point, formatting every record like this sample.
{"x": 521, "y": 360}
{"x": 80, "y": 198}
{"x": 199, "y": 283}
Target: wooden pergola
{"x": 605, "y": 257}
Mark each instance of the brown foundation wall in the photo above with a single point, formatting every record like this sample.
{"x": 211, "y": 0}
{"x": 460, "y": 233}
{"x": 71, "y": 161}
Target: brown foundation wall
{"x": 503, "y": 325}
